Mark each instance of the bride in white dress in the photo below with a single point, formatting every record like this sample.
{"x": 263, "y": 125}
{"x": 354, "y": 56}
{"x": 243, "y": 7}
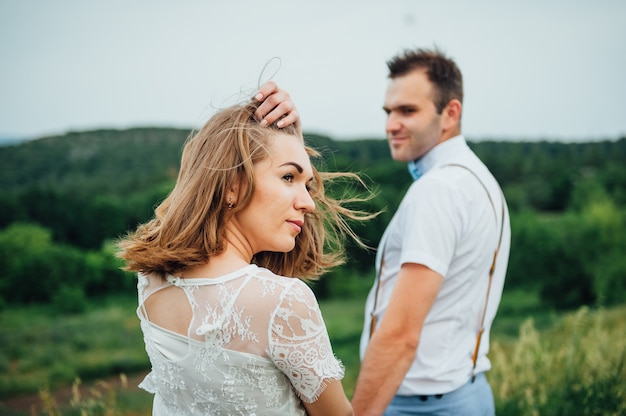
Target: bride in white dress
{"x": 229, "y": 324}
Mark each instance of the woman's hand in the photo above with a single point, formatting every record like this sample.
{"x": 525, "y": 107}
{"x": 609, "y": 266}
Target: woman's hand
{"x": 276, "y": 104}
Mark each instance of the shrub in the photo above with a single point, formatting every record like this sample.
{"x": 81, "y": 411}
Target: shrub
{"x": 69, "y": 300}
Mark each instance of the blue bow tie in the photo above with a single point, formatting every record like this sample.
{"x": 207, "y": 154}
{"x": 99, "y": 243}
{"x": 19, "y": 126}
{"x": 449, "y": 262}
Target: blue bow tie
{"x": 415, "y": 172}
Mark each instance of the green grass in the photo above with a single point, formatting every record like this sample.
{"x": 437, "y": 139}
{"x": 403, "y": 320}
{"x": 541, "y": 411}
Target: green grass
{"x": 544, "y": 362}
{"x": 344, "y": 321}
{"x": 517, "y": 306}
{"x": 577, "y": 366}
{"x": 44, "y": 349}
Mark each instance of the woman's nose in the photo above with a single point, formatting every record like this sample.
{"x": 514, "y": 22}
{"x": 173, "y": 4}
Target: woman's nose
{"x": 305, "y": 201}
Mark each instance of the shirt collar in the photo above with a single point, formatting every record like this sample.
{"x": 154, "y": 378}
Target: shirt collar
{"x": 434, "y": 156}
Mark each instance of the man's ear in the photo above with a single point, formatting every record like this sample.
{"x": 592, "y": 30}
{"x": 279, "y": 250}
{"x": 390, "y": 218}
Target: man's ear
{"x": 452, "y": 114}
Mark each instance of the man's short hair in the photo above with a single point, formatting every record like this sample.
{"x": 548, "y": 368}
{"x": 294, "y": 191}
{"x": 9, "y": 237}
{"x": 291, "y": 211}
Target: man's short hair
{"x": 441, "y": 70}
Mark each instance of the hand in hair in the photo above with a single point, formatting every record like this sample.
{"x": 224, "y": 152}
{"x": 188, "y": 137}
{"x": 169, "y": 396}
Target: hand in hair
{"x": 276, "y": 105}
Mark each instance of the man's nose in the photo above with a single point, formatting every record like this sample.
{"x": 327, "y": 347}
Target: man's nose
{"x": 393, "y": 124}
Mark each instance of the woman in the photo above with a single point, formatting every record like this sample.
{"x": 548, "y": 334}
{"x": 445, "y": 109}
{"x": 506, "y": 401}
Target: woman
{"x": 227, "y": 329}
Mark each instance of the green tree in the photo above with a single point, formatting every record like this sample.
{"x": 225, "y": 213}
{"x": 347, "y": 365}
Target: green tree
{"x": 609, "y": 267}
{"x": 35, "y": 268}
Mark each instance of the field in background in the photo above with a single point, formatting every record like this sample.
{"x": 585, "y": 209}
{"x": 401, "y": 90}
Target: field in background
{"x": 544, "y": 363}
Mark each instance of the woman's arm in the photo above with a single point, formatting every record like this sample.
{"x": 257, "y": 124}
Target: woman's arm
{"x": 298, "y": 330}
{"x": 332, "y": 402}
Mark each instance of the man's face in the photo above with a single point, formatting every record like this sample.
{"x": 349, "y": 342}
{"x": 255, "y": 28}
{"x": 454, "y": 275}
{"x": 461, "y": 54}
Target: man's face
{"x": 413, "y": 125}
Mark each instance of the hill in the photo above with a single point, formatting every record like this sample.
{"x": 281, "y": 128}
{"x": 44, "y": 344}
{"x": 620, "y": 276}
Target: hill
{"x": 64, "y": 198}
{"x": 101, "y": 161}
{"x": 121, "y": 161}
{"x": 123, "y": 173}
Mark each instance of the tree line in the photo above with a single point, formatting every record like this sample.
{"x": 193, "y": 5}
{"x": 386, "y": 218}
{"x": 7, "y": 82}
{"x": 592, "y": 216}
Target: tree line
{"x": 65, "y": 199}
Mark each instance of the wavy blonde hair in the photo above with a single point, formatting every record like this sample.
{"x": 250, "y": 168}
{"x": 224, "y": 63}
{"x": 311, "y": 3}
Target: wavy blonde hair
{"x": 189, "y": 225}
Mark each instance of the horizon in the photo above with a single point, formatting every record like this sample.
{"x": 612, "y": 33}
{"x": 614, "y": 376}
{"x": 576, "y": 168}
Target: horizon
{"x": 12, "y": 140}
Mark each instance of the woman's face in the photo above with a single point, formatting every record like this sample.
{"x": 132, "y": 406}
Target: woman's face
{"x": 281, "y": 197}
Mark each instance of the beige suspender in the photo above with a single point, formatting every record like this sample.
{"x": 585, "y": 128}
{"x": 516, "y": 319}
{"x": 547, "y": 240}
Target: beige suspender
{"x": 491, "y": 271}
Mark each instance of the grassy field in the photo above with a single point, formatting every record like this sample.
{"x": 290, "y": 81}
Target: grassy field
{"x": 544, "y": 363}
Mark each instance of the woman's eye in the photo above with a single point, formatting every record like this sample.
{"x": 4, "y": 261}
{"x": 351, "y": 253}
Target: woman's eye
{"x": 288, "y": 177}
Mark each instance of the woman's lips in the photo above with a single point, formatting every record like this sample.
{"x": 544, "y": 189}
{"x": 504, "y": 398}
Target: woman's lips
{"x": 297, "y": 225}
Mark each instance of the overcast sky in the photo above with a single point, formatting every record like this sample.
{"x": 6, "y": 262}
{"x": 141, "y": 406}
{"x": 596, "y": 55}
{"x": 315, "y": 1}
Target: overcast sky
{"x": 537, "y": 69}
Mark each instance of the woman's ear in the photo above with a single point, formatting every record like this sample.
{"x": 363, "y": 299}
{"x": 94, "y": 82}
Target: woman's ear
{"x": 235, "y": 191}
{"x": 232, "y": 195}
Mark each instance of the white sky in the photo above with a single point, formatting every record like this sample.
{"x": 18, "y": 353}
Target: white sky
{"x": 537, "y": 69}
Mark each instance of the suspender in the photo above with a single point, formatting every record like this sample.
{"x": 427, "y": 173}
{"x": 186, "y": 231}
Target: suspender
{"x": 491, "y": 269}
{"x": 481, "y": 330}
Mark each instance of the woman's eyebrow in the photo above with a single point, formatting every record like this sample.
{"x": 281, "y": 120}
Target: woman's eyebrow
{"x": 295, "y": 165}
{"x": 298, "y": 168}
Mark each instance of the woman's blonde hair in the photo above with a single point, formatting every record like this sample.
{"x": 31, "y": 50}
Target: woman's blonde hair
{"x": 189, "y": 225}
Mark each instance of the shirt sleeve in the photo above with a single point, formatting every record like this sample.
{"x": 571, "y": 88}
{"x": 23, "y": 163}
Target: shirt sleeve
{"x": 432, "y": 223}
{"x": 299, "y": 344}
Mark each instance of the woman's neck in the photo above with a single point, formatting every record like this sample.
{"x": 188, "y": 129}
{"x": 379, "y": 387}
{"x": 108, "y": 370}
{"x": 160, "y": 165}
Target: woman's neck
{"x": 228, "y": 261}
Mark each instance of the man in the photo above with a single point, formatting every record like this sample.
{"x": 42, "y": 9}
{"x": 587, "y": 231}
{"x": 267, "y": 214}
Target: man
{"x": 433, "y": 282}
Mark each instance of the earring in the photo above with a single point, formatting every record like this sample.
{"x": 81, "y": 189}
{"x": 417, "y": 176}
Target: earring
{"x": 230, "y": 202}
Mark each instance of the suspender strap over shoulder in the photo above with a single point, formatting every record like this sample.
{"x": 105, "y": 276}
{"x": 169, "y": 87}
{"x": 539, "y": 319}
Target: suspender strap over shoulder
{"x": 492, "y": 269}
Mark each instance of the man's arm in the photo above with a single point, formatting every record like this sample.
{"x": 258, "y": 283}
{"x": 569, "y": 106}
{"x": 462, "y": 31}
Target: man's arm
{"x": 393, "y": 346}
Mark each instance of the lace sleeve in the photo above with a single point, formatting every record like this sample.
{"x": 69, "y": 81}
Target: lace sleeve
{"x": 299, "y": 344}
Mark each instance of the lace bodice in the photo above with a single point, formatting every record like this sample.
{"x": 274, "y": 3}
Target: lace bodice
{"x": 256, "y": 344}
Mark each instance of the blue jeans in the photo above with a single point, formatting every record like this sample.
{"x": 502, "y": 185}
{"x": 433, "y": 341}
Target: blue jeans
{"x": 472, "y": 399}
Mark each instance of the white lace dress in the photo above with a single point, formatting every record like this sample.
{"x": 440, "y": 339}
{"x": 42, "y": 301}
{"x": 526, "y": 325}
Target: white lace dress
{"x": 257, "y": 345}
